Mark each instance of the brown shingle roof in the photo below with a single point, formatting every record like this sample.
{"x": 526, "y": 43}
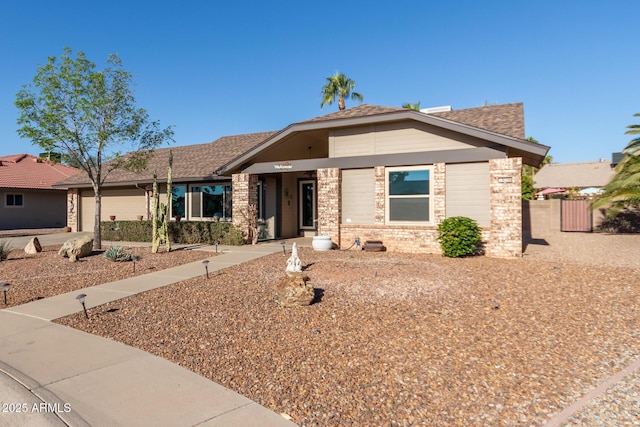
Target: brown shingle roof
{"x": 28, "y": 172}
{"x": 574, "y": 175}
{"x": 506, "y": 119}
{"x": 359, "y": 111}
{"x": 198, "y": 162}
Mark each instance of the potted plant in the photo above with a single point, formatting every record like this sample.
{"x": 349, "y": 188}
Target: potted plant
{"x": 140, "y": 217}
{"x": 112, "y": 217}
{"x": 177, "y": 218}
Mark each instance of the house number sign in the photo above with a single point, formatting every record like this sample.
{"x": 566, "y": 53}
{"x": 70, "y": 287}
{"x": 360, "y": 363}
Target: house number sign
{"x": 505, "y": 179}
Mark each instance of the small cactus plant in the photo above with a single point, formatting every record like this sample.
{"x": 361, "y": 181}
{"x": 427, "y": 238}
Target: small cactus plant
{"x": 117, "y": 253}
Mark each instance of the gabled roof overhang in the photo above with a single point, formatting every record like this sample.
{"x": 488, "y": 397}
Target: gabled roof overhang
{"x": 534, "y": 152}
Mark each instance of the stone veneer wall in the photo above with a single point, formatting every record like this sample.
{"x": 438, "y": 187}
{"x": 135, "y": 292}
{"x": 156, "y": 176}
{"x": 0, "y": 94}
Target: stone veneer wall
{"x": 505, "y": 237}
{"x": 73, "y": 207}
{"x": 401, "y": 238}
{"x": 244, "y": 189}
{"x": 329, "y": 203}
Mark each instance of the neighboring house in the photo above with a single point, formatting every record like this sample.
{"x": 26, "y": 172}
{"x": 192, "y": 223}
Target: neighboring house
{"x": 583, "y": 177}
{"x": 372, "y": 172}
{"x": 28, "y": 198}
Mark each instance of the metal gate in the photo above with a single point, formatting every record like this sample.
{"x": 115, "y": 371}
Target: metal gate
{"x": 575, "y": 215}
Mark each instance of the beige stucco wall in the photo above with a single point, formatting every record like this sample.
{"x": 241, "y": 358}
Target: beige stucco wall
{"x": 40, "y": 209}
{"x": 402, "y": 137}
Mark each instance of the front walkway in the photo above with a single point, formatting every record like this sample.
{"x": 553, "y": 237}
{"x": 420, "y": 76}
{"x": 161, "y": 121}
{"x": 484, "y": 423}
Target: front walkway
{"x": 86, "y": 380}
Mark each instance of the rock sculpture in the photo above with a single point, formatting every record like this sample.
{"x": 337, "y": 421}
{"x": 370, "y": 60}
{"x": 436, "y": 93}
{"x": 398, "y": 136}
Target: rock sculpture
{"x": 294, "y": 290}
{"x": 33, "y": 247}
{"x": 294, "y": 265}
{"x": 77, "y": 248}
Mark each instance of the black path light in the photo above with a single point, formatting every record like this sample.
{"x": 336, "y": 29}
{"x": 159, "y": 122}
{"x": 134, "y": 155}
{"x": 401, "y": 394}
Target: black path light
{"x": 134, "y": 259}
{"x": 206, "y": 266}
{"x": 81, "y": 298}
{"x": 216, "y": 243}
{"x": 5, "y": 287}
{"x": 284, "y": 251}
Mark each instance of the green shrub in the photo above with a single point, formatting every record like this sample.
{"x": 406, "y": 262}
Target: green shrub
{"x": 4, "y": 250}
{"x": 183, "y": 232}
{"x": 459, "y": 236}
{"x": 117, "y": 253}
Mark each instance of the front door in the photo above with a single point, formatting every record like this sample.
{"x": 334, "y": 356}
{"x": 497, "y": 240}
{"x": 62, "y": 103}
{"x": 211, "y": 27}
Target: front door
{"x": 307, "y": 209}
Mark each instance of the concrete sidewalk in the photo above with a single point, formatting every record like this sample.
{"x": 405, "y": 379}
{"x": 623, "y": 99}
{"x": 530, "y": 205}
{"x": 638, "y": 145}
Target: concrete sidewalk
{"x": 66, "y": 376}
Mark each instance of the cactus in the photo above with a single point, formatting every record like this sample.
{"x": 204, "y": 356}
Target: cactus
{"x": 160, "y": 228}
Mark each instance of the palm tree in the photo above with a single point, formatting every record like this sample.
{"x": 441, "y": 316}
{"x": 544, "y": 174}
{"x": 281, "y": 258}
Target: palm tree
{"x": 623, "y": 191}
{"x": 411, "y": 106}
{"x": 341, "y": 87}
{"x": 634, "y": 145}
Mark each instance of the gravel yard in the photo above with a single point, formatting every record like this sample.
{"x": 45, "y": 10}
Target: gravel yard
{"x": 47, "y": 274}
{"x": 404, "y": 339}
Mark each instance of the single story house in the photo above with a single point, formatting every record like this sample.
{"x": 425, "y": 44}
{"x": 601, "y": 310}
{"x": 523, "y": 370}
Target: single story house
{"x": 373, "y": 172}
{"x": 583, "y": 177}
{"x": 28, "y": 198}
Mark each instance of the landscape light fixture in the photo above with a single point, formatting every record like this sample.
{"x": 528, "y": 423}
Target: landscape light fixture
{"x": 5, "y": 287}
{"x": 216, "y": 243}
{"x": 81, "y": 298}
{"x": 206, "y": 266}
{"x": 284, "y": 252}
{"x": 134, "y": 259}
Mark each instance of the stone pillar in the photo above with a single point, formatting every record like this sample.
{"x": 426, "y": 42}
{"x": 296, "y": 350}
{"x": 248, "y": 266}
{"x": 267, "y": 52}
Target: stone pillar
{"x": 439, "y": 193}
{"x": 505, "y": 236}
{"x": 244, "y": 189}
{"x": 329, "y": 203}
{"x": 379, "y": 194}
{"x": 72, "y": 209}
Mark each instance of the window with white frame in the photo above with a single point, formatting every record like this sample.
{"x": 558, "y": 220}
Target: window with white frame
{"x": 409, "y": 191}
{"x": 14, "y": 201}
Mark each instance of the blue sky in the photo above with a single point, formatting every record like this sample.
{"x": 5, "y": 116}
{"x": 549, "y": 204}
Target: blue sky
{"x": 212, "y": 69}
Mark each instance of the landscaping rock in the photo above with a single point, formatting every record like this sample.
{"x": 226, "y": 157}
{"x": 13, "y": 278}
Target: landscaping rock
{"x": 33, "y": 247}
{"x": 77, "y": 248}
{"x": 294, "y": 290}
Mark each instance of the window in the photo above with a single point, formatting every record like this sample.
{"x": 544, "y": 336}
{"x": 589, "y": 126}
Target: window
{"x": 14, "y": 200}
{"x": 178, "y": 196}
{"x": 211, "y": 201}
{"x": 408, "y": 195}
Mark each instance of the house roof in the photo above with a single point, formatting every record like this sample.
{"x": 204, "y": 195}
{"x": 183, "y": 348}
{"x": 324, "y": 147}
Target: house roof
{"x": 24, "y": 171}
{"x": 190, "y": 162}
{"x": 507, "y": 119}
{"x": 503, "y": 125}
{"x": 574, "y": 175}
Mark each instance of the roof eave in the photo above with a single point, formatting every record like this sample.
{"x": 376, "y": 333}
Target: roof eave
{"x": 534, "y": 148}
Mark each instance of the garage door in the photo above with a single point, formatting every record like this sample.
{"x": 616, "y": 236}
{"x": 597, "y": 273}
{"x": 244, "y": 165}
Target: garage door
{"x": 124, "y": 203}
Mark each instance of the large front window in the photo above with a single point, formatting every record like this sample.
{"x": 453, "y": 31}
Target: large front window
{"x": 408, "y": 194}
{"x": 211, "y": 201}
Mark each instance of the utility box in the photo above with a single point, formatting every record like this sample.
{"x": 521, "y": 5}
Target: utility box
{"x": 374, "y": 246}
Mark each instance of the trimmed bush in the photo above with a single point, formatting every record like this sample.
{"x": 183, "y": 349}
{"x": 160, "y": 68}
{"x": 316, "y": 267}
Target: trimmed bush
{"x": 4, "y": 250}
{"x": 183, "y": 232}
{"x": 459, "y": 236}
{"x": 117, "y": 253}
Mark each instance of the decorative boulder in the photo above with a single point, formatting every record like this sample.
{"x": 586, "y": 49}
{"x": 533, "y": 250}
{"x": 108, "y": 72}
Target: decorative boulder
{"x": 294, "y": 290}
{"x": 33, "y": 247}
{"x": 77, "y": 248}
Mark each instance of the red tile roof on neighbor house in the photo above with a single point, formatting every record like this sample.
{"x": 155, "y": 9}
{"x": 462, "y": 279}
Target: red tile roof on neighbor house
{"x": 29, "y": 172}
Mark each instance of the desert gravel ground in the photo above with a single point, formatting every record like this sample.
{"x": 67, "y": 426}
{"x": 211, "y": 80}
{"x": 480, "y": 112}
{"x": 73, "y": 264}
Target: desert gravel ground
{"x": 47, "y": 274}
{"x": 407, "y": 339}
